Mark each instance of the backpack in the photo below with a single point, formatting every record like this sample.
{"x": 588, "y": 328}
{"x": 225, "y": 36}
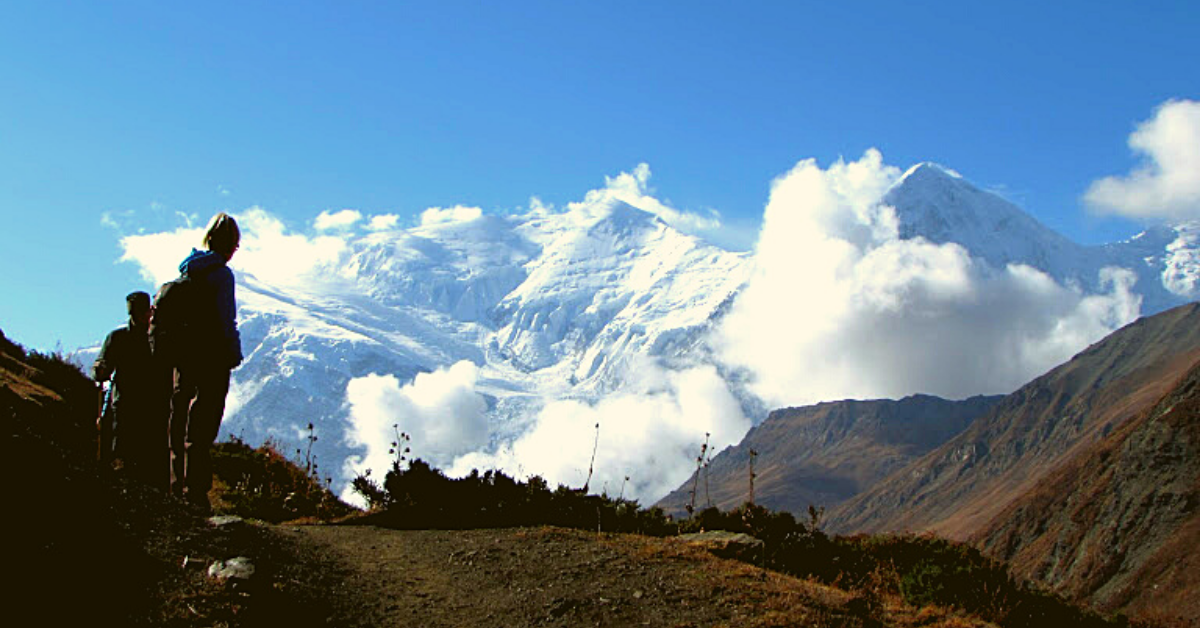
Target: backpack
{"x": 184, "y": 321}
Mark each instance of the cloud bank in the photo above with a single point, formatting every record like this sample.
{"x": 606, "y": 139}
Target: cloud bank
{"x": 269, "y": 251}
{"x": 158, "y": 254}
{"x": 840, "y": 307}
{"x": 1167, "y": 183}
{"x": 441, "y": 412}
{"x": 649, "y": 433}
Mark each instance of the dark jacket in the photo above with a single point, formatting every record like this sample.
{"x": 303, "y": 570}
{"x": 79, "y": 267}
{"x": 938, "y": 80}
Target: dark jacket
{"x": 126, "y": 352}
{"x": 210, "y": 267}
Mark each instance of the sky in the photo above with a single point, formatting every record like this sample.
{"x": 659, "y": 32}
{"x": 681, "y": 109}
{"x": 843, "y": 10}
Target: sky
{"x": 126, "y": 117}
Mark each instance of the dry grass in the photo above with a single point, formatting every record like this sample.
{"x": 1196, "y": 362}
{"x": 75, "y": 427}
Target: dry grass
{"x": 770, "y": 599}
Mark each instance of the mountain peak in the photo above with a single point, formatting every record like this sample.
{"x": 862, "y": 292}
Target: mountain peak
{"x": 940, "y": 205}
{"x": 624, "y": 214}
{"x": 929, "y": 171}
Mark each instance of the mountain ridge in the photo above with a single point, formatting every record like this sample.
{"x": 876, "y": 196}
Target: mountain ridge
{"x": 824, "y": 454}
{"x": 964, "y": 483}
{"x": 1117, "y": 525}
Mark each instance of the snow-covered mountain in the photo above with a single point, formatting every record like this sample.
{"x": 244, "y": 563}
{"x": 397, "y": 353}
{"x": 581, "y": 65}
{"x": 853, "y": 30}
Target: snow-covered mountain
{"x": 548, "y": 306}
{"x": 939, "y": 205}
{"x": 602, "y": 301}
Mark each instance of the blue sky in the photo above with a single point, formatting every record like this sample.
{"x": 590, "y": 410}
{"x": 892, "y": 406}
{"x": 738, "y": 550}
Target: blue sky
{"x": 145, "y": 110}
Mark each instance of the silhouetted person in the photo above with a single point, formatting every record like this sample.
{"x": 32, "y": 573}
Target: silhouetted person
{"x": 140, "y": 395}
{"x": 203, "y": 360}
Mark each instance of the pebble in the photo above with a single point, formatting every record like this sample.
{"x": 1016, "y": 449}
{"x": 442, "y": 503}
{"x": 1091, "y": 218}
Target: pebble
{"x": 239, "y": 568}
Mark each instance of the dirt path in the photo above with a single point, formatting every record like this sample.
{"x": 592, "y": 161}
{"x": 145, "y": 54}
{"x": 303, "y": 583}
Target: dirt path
{"x": 554, "y": 577}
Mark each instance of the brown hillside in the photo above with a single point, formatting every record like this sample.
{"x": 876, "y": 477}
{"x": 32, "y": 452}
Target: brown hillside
{"x": 1118, "y": 526}
{"x": 959, "y": 487}
{"x": 25, "y": 382}
{"x": 825, "y": 454}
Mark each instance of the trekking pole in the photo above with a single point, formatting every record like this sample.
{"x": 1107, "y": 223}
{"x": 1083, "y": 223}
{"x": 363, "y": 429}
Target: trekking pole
{"x": 104, "y": 424}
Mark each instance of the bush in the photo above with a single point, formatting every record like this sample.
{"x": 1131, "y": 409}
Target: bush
{"x": 261, "y": 483}
{"x": 421, "y": 496}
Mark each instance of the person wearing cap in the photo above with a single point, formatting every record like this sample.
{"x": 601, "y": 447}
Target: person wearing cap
{"x": 140, "y": 396}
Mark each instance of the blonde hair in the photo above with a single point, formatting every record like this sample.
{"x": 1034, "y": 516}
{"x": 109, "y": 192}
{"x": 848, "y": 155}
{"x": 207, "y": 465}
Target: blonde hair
{"x": 222, "y": 235}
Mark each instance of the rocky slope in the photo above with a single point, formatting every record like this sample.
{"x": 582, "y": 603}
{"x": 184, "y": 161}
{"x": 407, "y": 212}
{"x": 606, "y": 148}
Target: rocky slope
{"x": 960, "y": 486}
{"x": 1118, "y": 525}
{"x": 824, "y": 454}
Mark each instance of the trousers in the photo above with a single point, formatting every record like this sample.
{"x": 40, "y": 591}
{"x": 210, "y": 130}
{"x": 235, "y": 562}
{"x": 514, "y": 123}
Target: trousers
{"x": 197, "y": 406}
{"x": 142, "y": 440}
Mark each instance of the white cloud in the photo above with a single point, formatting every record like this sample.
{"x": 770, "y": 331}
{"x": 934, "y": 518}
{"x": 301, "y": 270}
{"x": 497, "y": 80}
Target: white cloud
{"x": 1167, "y": 183}
{"x": 187, "y": 219}
{"x": 273, "y": 254}
{"x": 120, "y": 221}
{"x": 839, "y": 307}
{"x": 268, "y": 251}
{"x": 458, "y": 213}
{"x": 331, "y": 221}
{"x": 158, "y": 254}
{"x": 440, "y": 411}
{"x": 538, "y": 207}
{"x": 383, "y": 222}
{"x": 650, "y": 433}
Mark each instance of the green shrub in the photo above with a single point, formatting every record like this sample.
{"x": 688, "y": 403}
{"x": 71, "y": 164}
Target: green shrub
{"x": 926, "y": 583}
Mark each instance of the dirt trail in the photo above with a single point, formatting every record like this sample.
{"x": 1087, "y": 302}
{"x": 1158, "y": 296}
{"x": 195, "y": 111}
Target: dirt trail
{"x": 555, "y": 577}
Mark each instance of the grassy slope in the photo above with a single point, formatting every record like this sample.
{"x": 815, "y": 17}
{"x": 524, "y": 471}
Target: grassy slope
{"x": 961, "y": 486}
{"x": 1118, "y": 525}
{"x": 824, "y": 454}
